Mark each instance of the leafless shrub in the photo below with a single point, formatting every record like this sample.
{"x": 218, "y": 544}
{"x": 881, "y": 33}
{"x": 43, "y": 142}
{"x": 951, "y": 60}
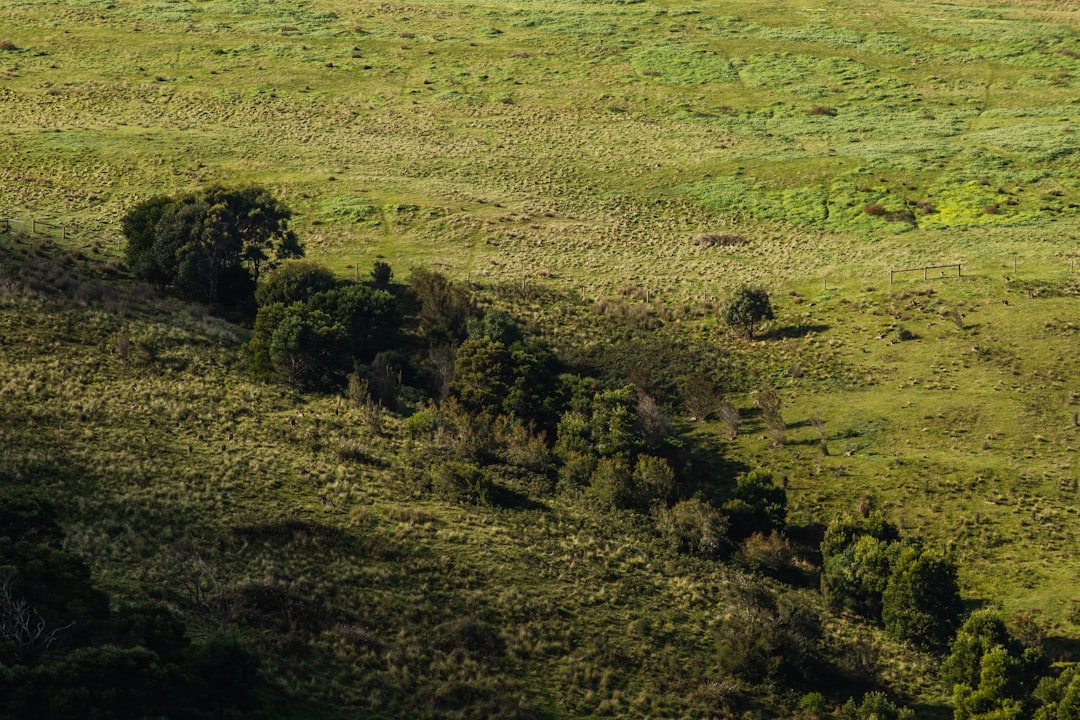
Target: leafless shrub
{"x": 653, "y": 423}
{"x": 729, "y": 416}
{"x": 21, "y": 625}
{"x": 769, "y": 402}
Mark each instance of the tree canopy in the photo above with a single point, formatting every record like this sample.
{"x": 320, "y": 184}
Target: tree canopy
{"x": 209, "y": 245}
{"x": 746, "y": 310}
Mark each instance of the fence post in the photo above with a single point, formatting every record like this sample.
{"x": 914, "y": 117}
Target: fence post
{"x": 33, "y": 227}
{"x": 890, "y": 277}
{"x": 957, "y": 269}
{"x": 924, "y": 272}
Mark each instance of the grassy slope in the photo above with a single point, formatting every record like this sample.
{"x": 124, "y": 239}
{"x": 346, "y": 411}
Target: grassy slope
{"x": 680, "y": 120}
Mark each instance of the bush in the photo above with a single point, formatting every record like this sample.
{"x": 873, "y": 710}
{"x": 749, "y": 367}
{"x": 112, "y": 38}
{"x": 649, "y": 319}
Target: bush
{"x": 294, "y": 282}
{"x": 922, "y": 600}
{"x": 747, "y": 308}
{"x": 758, "y": 506}
{"x": 460, "y": 480}
{"x": 693, "y": 527}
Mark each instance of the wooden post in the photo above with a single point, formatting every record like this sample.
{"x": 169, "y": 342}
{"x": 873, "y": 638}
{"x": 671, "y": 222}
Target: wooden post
{"x": 890, "y": 277}
{"x": 646, "y": 294}
{"x": 33, "y": 227}
{"x": 826, "y": 282}
{"x": 1014, "y": 264}
{"x": 957, "y": 269}
{"x": 924, "y": 272}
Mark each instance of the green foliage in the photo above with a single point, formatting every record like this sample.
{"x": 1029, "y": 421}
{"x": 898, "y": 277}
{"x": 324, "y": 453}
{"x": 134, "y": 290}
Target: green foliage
{"x": 747, "y": 308}
{"x": 495, "y": 326}
{"x": 462, "y": 481}
{"x": 612, "y": 483}
{"x": 758, "y": 505}
{"x": 294, "y": 282}
{"x": 518, "y": 381}
{"x": 875, "y": 706}
{"x": 1059, "y": 696}
{"x": 991, "y": 672}
{"x": 381, "y": 274}
{"x": 869, "y": 571}
{"x": 211, "y": 245}
{"x": 445, "y": 308}
{"x": 613, "y": 427}
{"x": 922, "y": 600}
{"x": 315, "y": 344}
{"x": 693, "y": 527}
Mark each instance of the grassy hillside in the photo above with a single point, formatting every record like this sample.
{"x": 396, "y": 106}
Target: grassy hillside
{"x": 607, "y": 172}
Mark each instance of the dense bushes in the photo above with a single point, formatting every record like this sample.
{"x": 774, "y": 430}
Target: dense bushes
{"x": 315, "y": 343}
{"x": 64, "y": 653}
{"x": 868, "y": 570}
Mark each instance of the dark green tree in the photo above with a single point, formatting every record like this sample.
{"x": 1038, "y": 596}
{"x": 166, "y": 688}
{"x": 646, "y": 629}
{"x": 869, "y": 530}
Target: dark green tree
{"x": 210, "y": 245}
{"x": 746, "y": 310}
{"x": 444, "y": 307}
{"x": 381, "y": 274}
{"x": 293, "y": 282}
{"x": 922, "y": 601}
{"x": 758, "y": 506}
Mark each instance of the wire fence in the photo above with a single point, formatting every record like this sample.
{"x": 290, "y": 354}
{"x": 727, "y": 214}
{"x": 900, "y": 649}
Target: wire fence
{"x": 33, "y": 227}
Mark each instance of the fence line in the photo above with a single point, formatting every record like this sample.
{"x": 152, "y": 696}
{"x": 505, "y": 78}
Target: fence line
{"x": 32, "y": 227}
{"x": 924, "y": 268}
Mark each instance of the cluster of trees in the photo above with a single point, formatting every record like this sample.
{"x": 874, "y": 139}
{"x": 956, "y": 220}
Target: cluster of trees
{"x": 502, "y": 402}
{"x": 211, "y": 245}
{"x": 869, "y": 570}
{"x": 312, "y": 330}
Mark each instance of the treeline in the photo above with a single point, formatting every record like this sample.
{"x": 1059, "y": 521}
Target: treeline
{"x": 495, "y": 416}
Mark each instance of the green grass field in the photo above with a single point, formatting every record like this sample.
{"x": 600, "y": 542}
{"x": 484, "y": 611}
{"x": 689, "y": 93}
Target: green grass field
{"x": 577, "y": 151}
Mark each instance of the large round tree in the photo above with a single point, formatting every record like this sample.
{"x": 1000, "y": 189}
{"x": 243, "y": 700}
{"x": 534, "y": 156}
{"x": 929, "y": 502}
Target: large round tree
{"x": 746, "y": 310}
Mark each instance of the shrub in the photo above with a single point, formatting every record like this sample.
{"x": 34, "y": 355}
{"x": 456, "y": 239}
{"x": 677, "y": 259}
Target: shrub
{"x": 381, "y": 274}
{"x": 293, "y": 282}
{"x": 693, "y": 527}
{"x": 758, "y": 506}
{"x": 874, "y": 209}
{"x": 922, "y": 601}
{"x": 746, "y": 309}
{"x": 460, "y": 480}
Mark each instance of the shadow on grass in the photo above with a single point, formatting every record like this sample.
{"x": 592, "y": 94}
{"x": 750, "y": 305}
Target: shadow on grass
{"x": 708, "y": 471}
{"x": 793, "y": 331}
{"x": 1062, "y": 649}
{"x": 503, "y": 497}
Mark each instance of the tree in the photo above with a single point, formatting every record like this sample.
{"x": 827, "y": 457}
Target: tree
{"x": 293, "y": 282}
{"x": 922, "y": 601}
{"x": 445, "y": 308}
{"x": 758, "y": 506}
{"x": 746, "y": 309}
{"x": 210, "y": 245}
{"x": 382, "y": 274}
